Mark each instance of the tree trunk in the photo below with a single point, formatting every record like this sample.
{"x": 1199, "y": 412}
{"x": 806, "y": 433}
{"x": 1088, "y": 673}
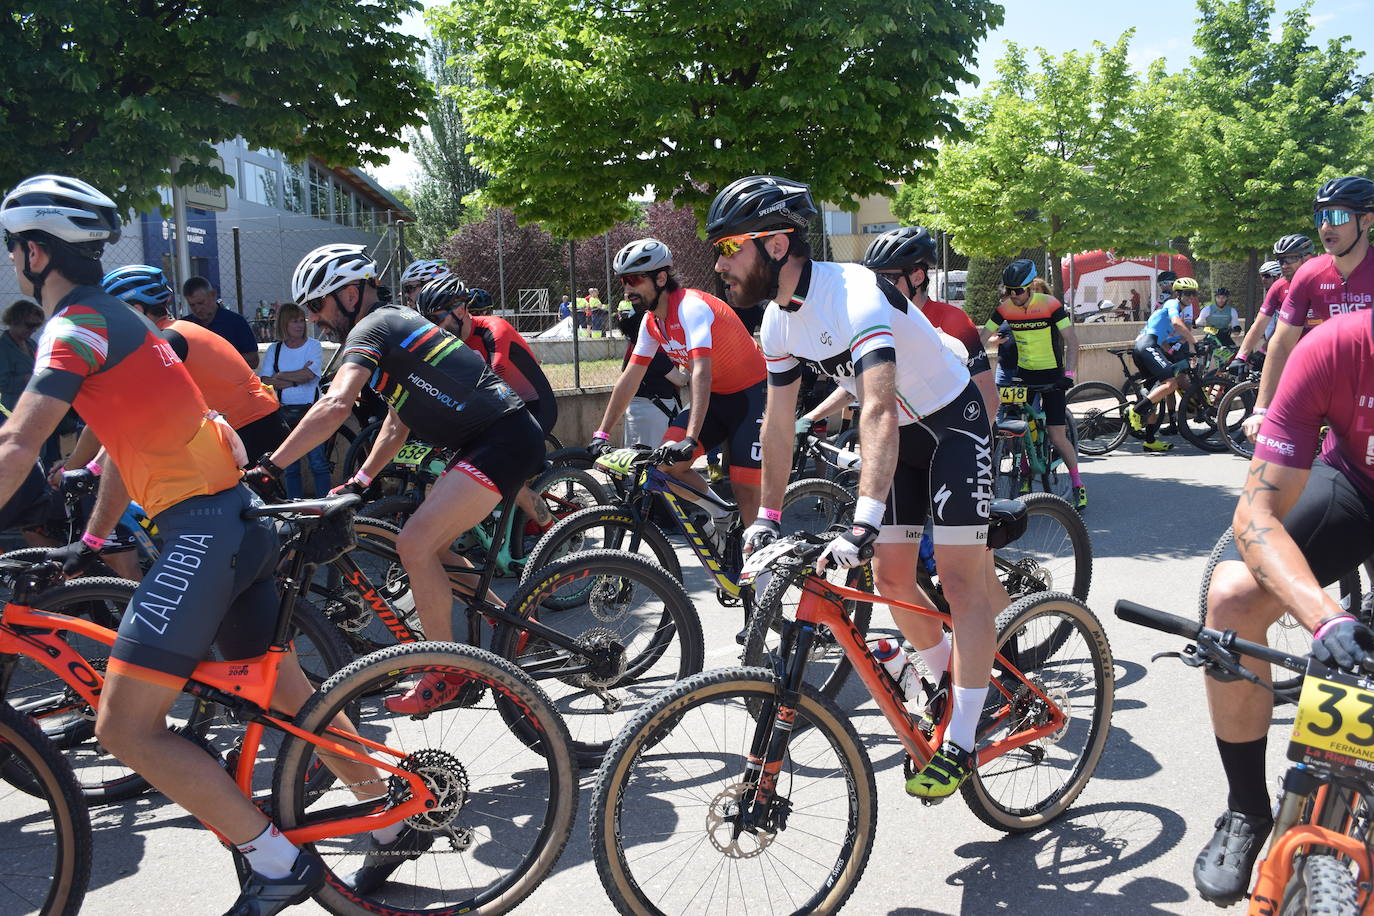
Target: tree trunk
{"x": 1057, "y": 278}
{"x": 1252, "y": 303}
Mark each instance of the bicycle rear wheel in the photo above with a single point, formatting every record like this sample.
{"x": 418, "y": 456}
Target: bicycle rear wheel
{"x": 1236, "y": 406}
{"x": 1032, "y": 784}
{"x": 506, "y": 801}
{"x": 814, "y": 505}
{"x": 1010, "y": 467}
{"x": 636, "y": 633}
{"x": 45, "y": 835}
{"x": 598, "y": 528}
{"x": 1054, "y": 554}
{"x": 1099, "y": 413}
{"x": 1197, "y": 411}
{"x": 665, "y": 816}
{"x": 564, "y": 490}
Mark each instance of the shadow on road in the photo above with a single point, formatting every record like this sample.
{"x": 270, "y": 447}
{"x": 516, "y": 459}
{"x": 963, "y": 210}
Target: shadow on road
{"x": 1154, "y": 527}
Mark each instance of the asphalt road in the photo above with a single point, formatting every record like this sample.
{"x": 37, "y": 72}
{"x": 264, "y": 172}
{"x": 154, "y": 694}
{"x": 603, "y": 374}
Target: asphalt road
{"x": 1126, "y": 847}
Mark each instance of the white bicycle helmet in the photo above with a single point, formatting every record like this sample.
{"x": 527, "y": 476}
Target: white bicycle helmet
{"x": 423, "y": 271}
{"x": 65, "y": 208}
{"x": 643, "y": 256}
{"x": 329, "y": 268}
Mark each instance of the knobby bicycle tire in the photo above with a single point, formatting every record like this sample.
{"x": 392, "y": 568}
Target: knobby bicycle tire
{"x": 1034, "y": 562}
{"x": 555, "y": 487}
{"x": 1321, "y": 886}
{"x": 1286, "y": 633}
{"x": 1197, "y": 412}
{"x": 660, "y": 774}
{"x": 506, "y": 803}
{"x": 1101, "y": 427}
{"x": 55, "y": 883}
{"x": 1236, "y": 406}
{"x": 635, "y": 642}
{"x": 1010, "y": 466}
{"x": 577, "y": 532}
{"x": 815, "y": 505}
{"x": 1029, "y": 786}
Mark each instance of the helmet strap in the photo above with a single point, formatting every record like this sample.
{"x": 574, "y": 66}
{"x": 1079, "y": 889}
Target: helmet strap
{"x": 35, "y": 277}
{"x": 1359, "y": 234}
{"x": 351, "y": 314}
{"x": 774, "y": 269}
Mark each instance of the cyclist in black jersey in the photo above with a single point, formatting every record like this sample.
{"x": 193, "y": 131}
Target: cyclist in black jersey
{"x": 437, "y": 387}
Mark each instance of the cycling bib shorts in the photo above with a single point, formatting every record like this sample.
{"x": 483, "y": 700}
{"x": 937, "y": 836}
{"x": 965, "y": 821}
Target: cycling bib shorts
{"x": 735, "y": 421}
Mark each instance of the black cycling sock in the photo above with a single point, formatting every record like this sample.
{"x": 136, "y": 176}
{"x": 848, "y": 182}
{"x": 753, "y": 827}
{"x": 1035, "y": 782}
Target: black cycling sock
{"x": 1243, "y": 762}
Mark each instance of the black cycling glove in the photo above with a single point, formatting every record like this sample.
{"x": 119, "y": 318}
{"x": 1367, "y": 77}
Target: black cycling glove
{"x": 678, "y": 451}
{"x": 1346, "y": 644}
{"x": 77, "y": 558}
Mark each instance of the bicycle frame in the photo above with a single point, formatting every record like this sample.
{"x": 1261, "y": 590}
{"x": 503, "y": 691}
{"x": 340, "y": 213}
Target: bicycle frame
{"x": 820, "y": 607}
{"x": 652, "y": 482}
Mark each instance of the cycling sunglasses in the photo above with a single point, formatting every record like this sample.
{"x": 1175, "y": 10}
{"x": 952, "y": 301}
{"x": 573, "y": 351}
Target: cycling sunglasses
{"x": 730, "y": 246}
{"x": 1291, "y": 259}
{"x": 1334, "y": 217}
{"x": 1015, "y": 290}
{"x": 633, "y": 279}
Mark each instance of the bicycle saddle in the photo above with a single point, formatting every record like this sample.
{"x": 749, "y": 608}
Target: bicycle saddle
{"x": 1120, "y": 351}
{"x": 1007, "y": 521}
{"x": 1011, "y": 427}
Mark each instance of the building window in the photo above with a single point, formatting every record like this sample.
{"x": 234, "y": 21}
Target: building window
{"x": 879, "y": 228}
{"x": 319, "y": 194}
{"x": 260, "y": 185}
{"x": 294, "y": 198}
{"x": 340, "y": 204}
{"x": 837, "y": 222}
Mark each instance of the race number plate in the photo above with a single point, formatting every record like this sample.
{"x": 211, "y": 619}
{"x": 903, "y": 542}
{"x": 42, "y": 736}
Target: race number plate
{"x": 413, "y": 454}
{"x": 1334, "y": 727}
{"x": 1013, "y": 394}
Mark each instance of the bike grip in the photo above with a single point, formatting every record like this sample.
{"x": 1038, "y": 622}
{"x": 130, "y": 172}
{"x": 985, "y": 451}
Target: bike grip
{"x": 1144, "y": 616}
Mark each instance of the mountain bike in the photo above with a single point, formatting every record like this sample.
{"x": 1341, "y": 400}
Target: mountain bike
{"x": 1236, "y": 406}
{"x": 1043, "y": 547}
{"x": 1319, "y": 859}
{"x": 1022, "y": 455}
{"x": 492, "y": 784}
{"x": 754, "y": 764}
{"x": 46, "y": 833}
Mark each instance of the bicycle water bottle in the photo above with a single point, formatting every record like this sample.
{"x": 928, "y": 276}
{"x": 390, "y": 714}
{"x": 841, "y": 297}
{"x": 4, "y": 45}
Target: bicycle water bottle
{"x": 847, "y": 460}
{"x": 894, "y": 661}
{"x": 927, "y": 552}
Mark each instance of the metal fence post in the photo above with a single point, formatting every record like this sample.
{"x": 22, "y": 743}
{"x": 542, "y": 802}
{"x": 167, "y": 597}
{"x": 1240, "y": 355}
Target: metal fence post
{"x": 500, "y": 261}
{"x": 607, "y": 288}
{"x": 572, "y": 284}
{"x": 238, "y": 272}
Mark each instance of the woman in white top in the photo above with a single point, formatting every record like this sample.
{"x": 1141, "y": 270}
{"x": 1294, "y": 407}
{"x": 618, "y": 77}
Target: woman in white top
{"x": 292, "y": 367}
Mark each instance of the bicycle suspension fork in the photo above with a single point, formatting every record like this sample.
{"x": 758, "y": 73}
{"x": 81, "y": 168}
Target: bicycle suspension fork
{"x": 767, "y": 810}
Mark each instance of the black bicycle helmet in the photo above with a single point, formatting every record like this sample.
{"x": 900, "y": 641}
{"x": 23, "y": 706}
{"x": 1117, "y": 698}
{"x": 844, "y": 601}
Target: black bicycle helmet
{"x": 1166, "y": 276}
{"x": 759, "y": 203}
{"x": 1221, "y": 291}
{"x": 440, "y": 295}
{"x": 1291, "y": 245}
{"x": 1019, "y": 273}
{"x": 901, "y": 249}
{"x": 1351, "y": 192}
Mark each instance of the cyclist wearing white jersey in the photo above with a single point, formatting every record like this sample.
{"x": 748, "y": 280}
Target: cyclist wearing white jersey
{"x": 926, "y": 435}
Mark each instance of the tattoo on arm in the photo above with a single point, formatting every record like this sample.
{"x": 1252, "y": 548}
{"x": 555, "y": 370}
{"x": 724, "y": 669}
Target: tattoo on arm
{"x": 1258, "y": 482}
{"x": 1251, "y": 537}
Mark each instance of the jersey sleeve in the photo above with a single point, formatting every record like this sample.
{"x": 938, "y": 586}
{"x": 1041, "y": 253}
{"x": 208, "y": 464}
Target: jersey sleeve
{"x": 696, "y": 318}
{"x": 961, "y": 327}
{"x": 1060, "y": 317}
{"x": 1298, "y": 299}
{"x": 1204, "y": 314}
{"x": 869, "y": 306}
{"x": 645, "y": 345}
{"x": 1292, "y": 425}
{"x": 783, "y": 367}
{"x": 243, "y": 339}
{"x": 75, "y": 344}
{"x": 367, "y": 344}
{"x": 1273, "y": 299}
{"x": 178, "y": 343}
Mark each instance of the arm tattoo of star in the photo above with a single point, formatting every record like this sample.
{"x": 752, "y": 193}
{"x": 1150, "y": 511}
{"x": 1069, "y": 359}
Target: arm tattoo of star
{"x": 1251, "y": 537}
{"x": 1258, "y": 483}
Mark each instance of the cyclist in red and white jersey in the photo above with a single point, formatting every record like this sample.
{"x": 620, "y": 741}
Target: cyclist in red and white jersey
{"x": 1290, "y": 253}
{"x": 1299, "y": 526}
{"x": 706, "y": 340}
{"x": 927, "y": 439}
{"x": 1342, "y": 280}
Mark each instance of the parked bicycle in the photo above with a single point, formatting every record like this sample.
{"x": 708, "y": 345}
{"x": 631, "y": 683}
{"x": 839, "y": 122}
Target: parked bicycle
{"x": 1319, "y": 858}
{"x": 752, "y": 763}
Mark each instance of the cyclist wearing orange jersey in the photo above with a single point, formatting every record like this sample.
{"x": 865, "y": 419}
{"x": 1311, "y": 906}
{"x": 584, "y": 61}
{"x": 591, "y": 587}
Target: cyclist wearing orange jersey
{"x": 705, "y": 339}
{"x": 214, "y": 581}
{"x": 219, "y": 371}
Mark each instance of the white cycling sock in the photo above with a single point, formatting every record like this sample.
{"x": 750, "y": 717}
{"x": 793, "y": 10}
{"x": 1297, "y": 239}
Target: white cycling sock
{"x": 387, "y": 835}
{"x": 963, "y": 723}
{"x": 937, "y": 657}
{"x": 270, "y": 854}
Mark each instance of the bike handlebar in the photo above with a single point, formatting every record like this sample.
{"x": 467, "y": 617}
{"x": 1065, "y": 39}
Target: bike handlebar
{"x": 1141, "y": 615}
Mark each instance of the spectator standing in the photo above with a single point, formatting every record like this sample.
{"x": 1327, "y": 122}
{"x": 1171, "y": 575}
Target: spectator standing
{"x": 1135, "y": 305}
{"x": 208, "y": 312}
{"x": 17, "y": 348}
{"x": 291, "y": 366}
{"x": 588, "y": 307}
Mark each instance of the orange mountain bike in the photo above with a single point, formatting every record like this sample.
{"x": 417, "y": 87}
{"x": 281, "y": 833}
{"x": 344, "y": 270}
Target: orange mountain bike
{"x": 491, "y": 783}
{"x": 1321, "y": 851}
{"x": 749, "y": 787}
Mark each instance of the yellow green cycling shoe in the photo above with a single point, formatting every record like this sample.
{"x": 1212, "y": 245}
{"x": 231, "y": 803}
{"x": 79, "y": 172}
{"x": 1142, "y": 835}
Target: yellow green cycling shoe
{"x": 1157, "y": 446}
{"x": 944, "y": 774}
{"x": 1135, "y": 419}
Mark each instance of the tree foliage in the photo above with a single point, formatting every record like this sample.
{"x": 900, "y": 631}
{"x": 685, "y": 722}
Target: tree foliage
{"x": 112, "y": 90}
{"x": 1075, "y": 154}
{"x": 579, "y": 107}
{"x": 527, "y": 255}
{"x": 1268, "y": 119}
{"x": 447, "y": 174}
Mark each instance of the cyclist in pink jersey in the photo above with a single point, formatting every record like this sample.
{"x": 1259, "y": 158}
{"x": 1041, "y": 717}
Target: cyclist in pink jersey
{"x": 706, "y": 340}
{"x": 1342, "y": 280}
{"x": 1299, "y": 526}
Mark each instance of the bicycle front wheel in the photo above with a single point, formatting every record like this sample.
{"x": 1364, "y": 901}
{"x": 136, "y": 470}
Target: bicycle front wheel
{"x": 1321, "y": 886}
{"x": 1035, "y": 782}
{"x": 636, "y": 633}
{"x": 666, "y": 828}
{"x": 1099, "y": 413}
{"x": 46, "y": 832}
{"x": 1236, "y": 406}
{"x": 505, "y": 801}
{"x": 598, "y": 528}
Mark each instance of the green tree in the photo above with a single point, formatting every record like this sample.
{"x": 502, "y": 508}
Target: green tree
{"x": 113, "y": 90}
{"x": 1073, "y": 155}
{"x": 1268, "y": 120}
{"x": 579, "y": 107}
{"x": 447, "y": 174}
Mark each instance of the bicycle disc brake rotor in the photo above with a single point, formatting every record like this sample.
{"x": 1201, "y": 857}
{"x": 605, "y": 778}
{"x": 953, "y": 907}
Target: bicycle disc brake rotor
{"x": 722, "y": 819}
{"x": 1033, "y": 712}
{"x": 445, "y": 777}
{"x": 611, "y": 598}
{"x": 607, "y": 657}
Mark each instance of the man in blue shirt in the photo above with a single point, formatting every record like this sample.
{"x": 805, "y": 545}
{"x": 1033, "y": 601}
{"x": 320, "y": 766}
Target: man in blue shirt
{"x": 1159, "y": 353}
{"x": 208, "y": 312}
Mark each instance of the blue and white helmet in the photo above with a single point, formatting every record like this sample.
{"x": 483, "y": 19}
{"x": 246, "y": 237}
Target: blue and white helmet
{"x": 139, "y": 284}
{"x": 422, "y": 272}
